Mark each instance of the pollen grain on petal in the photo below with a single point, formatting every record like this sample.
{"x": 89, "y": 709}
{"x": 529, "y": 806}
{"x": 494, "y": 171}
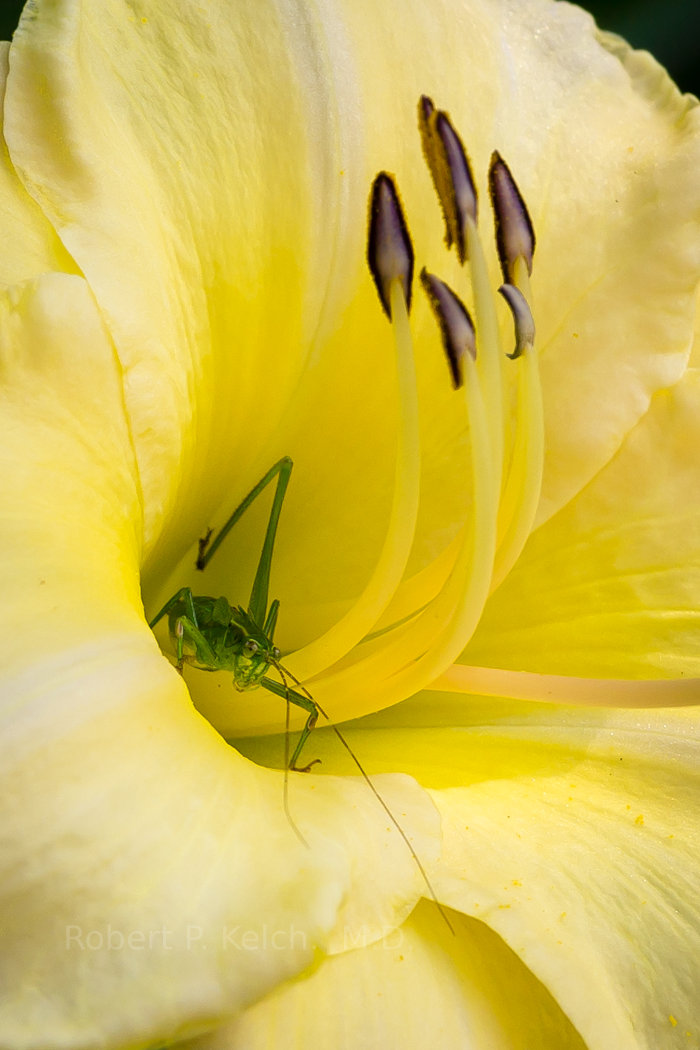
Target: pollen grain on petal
{"x": 515, "y": 235}
{"x": 389, "y": 247}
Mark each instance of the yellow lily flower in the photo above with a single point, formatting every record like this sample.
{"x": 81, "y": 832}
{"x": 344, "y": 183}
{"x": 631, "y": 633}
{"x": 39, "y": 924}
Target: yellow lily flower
{"x": 185, "y": 301}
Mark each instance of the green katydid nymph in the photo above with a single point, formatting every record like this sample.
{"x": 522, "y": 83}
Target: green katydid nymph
{"x": 213, "y": 635}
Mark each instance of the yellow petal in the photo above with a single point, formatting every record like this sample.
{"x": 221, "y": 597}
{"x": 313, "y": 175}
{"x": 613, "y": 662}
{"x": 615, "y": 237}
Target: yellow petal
{"x": 609, "y": 322}
{"x": 197, "y": 263}
{"x": 181, "y": 240}
{"x": 31, "y": 246}
{"x": 146, "y": 863}
{"x": 596, "y": 380}
{"x": 573, "y": 834}
{"x": 136, "y": 843}
{"x": 694, "y": 361}
{"x": 420, "y": 986}
{"x": 70, "y": 514}
{"x": 609, "y": 586}
{"x": 236, "y": 234}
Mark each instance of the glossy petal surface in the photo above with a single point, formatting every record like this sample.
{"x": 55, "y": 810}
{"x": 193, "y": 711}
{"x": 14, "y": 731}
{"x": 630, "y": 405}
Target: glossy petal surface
{"x": 185, "y": 199}
{"x": 574, "y": 835}
{"x": 177, "y": 193}
{"x": 608, "y": 587}
{"x": 133, "y": 838}
{"x": 418, "y": 987}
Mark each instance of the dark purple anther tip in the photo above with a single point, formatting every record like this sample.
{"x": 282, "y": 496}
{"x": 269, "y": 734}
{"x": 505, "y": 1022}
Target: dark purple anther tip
{"x": 463, "y": 203}
{"x": 389, "y": 248}
{"x": 456, "y": 325}
{"x": 515, "y": 235}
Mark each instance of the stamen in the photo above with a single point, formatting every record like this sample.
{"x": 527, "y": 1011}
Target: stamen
{"x": 426, "y": 109}
{"x": 565, "y": 689}
{"x": 488, "y": 341}
{"x": 417, "y": 591}
{"x": 439, "y": 630}
{"x": 389, "y": 248}
{"x": 522, "y": 316}
{"x": 456, "y": 325}
{"x": 515, "y": 236}
{"x": 521, "y": 278}
{"x": 470, "y": 580}
{"x": 521, "y": 495}
{"x": 463, "y": 200}
{"x": 443, "y": 629}
{"x": 454, "y": 183}
{"x": 451, "y": 173}
{"x": 362, "y": 616}
{"x": 432, "y": 153}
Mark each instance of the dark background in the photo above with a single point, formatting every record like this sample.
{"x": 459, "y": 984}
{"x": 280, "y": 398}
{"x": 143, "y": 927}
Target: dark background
{"x": 668, "y": 28}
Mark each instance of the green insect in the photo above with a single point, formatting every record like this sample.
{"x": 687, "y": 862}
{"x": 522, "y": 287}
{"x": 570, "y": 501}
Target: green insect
{"x": 213, "y": 635}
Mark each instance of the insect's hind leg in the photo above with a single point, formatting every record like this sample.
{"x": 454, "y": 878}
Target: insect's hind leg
{"x": 185, "y": 593}
{"x": 307, "y": 705}
{"x": 257, "y": 606}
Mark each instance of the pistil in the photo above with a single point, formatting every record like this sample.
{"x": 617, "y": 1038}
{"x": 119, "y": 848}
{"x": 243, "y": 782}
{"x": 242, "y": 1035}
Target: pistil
{"x": 454, "y": 183}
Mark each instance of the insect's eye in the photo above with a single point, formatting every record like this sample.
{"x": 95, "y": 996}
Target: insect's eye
{"x": 276, "y": 653}
{"x": 251, "y": 646}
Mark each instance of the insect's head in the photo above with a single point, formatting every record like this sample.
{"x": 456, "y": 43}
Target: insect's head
{"x": 253, "y": 661}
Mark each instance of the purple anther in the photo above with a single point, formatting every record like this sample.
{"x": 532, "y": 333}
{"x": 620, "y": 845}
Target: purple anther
{"x": 389, "y": 248}
{"x": 515, "y": 235}
{"x": 456, "y": 327}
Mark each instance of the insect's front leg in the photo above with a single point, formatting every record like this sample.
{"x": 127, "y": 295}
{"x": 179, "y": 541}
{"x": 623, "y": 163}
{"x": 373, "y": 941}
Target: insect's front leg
{"x": 307, "y": 704}
{"x": 185, "y": 629}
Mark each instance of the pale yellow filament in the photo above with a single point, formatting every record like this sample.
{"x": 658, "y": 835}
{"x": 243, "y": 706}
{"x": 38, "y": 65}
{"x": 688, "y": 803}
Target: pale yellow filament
{"x": 527, "y": 465}
{"x": 521, "y": 278}
{"x": 412, "y": 654}
{"x": 521, "y": 494}
{"x": 562, "y": 689}
{"x": 416, "y": 591}
{"x": 472, "y": 572}
{"x": 382, "y": 585}
{"x": 489, "y": 352}
{"x": 441, "y": 631}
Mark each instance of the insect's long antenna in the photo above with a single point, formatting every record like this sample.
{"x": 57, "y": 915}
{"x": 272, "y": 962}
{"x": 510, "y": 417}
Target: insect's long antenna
{"x": 285, "y": 789}
{"x": 283, "y": 672}
{"x": 396, "y": 824}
